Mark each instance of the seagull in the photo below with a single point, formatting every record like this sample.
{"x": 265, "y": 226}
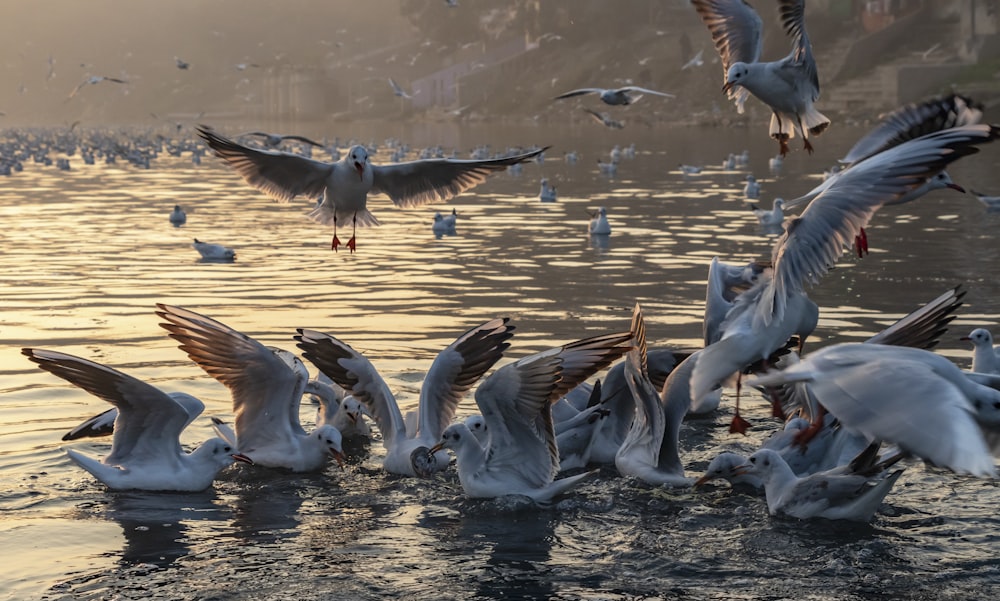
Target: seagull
{"x": 275, "y": 140}
{"x": 178, "y": 216}
{"x": 398, "y": 91}
{"x": 521, "y": 456}
{"x": 454, "y": 371}
{"x": 547, "y": 193}
{"x": 214, "y": 252}
{"x": 789, "y": 86}
{"x": 266, "y": 385}
{"x": 444, "y": 224}
{"x": 688, "y": 169}
{"x": 770, "y": 218}
{"x": 599, "y": 225}
{"x": 182, "y": 65}
{"x": 729, "y": 466}
{"x": 146, "y": 451}
{"x": 615, "y": 97}
{"x": 93, "y": 80}
{"x": 696, "y": 61}
{"x": 870, "y": 389}
{"x": 643, "y": 453}
{"x": 777, "y": 306}
{"x": 344, "y": 185}
{"x": 752, "y": 188}
{"x": 992, "y": 203}
{"x": 604, "y": 119}
{"x": 986, "y": 357}
{"x": 835, "y": 495}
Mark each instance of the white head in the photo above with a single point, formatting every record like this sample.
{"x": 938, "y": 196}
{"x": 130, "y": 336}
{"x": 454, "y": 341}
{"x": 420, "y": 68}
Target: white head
{"x": 725, "y": 466}
{"x": 735, "y": 76}
{"x": 943, "y": 180}
{"x": 454, "y": 437}
{"x": 357, "y": 157}
{"x": 219, "y": 453}
{"x": 477, "y": 425}
{"x": 327, "y": 437}
{"x": 979, "y": 337}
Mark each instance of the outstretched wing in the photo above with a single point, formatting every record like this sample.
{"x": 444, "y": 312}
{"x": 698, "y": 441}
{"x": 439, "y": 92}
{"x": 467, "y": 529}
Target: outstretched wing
{"x": 736, "y": 29}
{"x": 435, "y": 180}
{"x": 280, "y": 175}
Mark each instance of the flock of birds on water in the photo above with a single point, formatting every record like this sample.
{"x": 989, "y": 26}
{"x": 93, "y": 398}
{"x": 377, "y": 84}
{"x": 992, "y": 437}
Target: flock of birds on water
{"x": 852, "y": 419}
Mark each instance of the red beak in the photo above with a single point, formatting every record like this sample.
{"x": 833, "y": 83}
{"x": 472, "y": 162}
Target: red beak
{"x": 361, "y": 170}
{"x": 956, "y": 187}
{"x": 242, "y": 457}
{"x": 728, "y": 86}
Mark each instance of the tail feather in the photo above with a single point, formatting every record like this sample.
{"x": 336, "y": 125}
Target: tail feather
{"x": 327, "y": 214}
{"x": 786, "y": 125}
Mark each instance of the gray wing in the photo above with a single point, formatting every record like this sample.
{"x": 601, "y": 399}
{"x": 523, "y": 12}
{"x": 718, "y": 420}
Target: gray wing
{"x": 356, "y": 374}
{"x": 302, "y": 139}
{"x": 265, "y": 389}
{"x": 913, "y": 121}
{"x": 149, "y": 421}
{"x": 792, "y": 15}
{"x": 579, "y": 92}
{"x": 647, "y": 91}
{"x": 584, "y": 358}
{"x": 923, "y": 327}
{"x": 515, "y": 403}
{"x": 814, "y": 241}
{"x": 280, "y": 175}
{"x": 455, "y": 370}
{"x": 433, "y": 180}
{"x": 645, "y": 437}
{"x": 736, "y": 30}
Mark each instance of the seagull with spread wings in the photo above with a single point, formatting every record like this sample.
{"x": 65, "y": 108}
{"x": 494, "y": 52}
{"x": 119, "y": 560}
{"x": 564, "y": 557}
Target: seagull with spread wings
{"x": 788, "y": 86}
{"x": 345, "y": 184}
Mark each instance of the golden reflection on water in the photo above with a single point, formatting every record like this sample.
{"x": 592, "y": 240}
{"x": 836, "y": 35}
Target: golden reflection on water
{"x": 85, "y": 255}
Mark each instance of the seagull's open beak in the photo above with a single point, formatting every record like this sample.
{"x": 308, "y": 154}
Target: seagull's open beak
{"x": 728, "y": 86}
{"x": 353, "y": 417}
{"x": 965, "y": 339}
{"x": 338, "y": 457}
{"x": 242, "y": 457}
{"x": 956, "y": 187}
{"x": 435, "y": 448}
{"x": 361, "y": 170}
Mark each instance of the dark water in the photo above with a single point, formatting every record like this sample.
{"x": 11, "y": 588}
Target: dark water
{"x": 87, "y": 253}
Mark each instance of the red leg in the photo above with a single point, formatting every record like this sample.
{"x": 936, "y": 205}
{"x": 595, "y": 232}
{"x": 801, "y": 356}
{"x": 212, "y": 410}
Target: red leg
{"x": 861, "y": 243}
{"x": 336, "y": 241}
{"x": 807, "y": 145}
{"x": 352, "y": 243}
{"x": 803, "y": 437}
{"x": 738, "y": 425}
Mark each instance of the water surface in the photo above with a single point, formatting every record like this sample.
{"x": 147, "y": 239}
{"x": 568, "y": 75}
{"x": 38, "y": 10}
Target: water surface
{"x": 87, "y": 254}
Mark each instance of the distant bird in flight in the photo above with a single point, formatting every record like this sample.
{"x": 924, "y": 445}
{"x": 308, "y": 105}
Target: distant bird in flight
{"x": 244, "y": 66}
{"x": 789, "y": 86}
{"x": 398, "y": 91}
{"x": 182, "y": 65}
{"x": 696, "y": 61}
{"x": 617, "y": 97}
{"x": 345, "y": 184}
{"x": 92, "y": 80}
{"x": 604, "y": 119}
{"x": 275, "y": 140}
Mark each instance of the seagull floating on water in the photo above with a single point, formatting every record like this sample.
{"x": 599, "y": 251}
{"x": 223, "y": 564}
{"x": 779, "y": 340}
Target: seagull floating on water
{"x": 214, "y": 252}
{"x": 985, "y": 356}
{"x": 599, "y": 225}
{"x": 178, "y": 216}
